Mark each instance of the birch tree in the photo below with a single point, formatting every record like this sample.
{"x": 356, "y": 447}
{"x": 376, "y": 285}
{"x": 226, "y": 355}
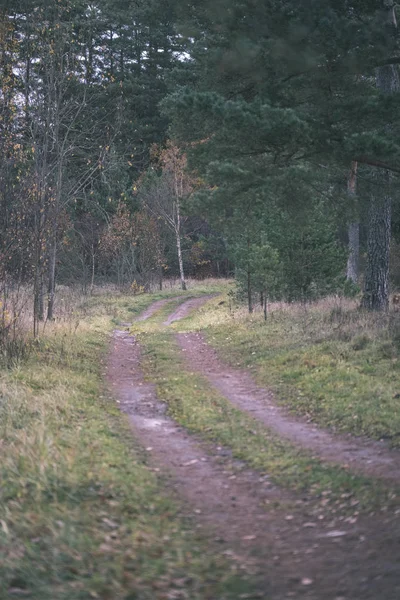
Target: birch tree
{"x": 164, "y": 194}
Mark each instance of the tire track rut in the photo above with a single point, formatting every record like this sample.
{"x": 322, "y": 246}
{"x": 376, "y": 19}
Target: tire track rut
{"x": 276, "y": 536}
{"x": 153, "y": 308}
{"x": 368, "y": 457}
{"x": 186, "y": 308}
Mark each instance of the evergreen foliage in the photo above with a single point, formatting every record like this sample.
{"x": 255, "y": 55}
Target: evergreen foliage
{"x": 285, "y": 95}
{"x": 271, "y": 102}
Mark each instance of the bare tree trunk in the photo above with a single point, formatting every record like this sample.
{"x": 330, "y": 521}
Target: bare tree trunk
{"x": 52, "y": 281}
{"x": 249, "y": 282}
{"x": 38, "y": 286}
{"x": 376, "y": 285}
{"x": 178, "y": 234}
{"x": 376, "y": 288}
{"x": 249, "y": 292}
{"x": 160, "y": 278}
{"x": 41, "y": 298}
{"x": 354, "y": 252}
{"x": 353, "y": 231}
{"x": 180, "y": 259}
{"x": 38, "y": 299}
{"x": 84, "y": 275}
{"x": 93, "y": 271}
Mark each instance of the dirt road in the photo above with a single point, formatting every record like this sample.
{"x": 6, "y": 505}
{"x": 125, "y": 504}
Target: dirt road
{"x": 363, "y": 456}
{"x": 273, "y": 534}
{"x": 185, "y": 309}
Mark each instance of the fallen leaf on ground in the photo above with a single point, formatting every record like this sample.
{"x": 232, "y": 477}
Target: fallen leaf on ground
{"x": 110, "y": 523}
{"x": 336, "y": 533}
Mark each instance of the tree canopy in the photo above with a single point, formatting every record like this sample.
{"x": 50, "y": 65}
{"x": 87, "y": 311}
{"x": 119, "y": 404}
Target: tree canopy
{"x": 269, "y": 105}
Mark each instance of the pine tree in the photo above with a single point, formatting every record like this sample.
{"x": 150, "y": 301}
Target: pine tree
{"x": 376, "y": 287}
{"x": 284, "y": 88}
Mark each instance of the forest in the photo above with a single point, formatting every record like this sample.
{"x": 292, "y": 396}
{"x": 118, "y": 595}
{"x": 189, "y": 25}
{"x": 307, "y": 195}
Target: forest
{"x": 199, "y": 299}
{"x": 146, "y": 140}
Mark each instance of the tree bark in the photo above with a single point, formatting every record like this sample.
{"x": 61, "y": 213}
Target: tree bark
{"x": 249, "y": 292}
{"x": 376, "y": 287}
{"x": 52, "y": 282}
{"x": 354, "y": 252}
{"x": 353, "y": 231}
{"x": 249, "y": 282}
{"x": 160, "y": 278}
{"x": 93, "y": 270}
{"x": 180, "y": 259}
{"x": 265, "y": 305}
{"x": 38, "y": 300}
{"x": 376, "y": 284}
{"x": 178, "y": 235}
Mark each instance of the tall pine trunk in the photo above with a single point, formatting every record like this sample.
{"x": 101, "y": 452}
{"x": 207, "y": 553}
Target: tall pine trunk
{"x": 353, "y": 231}
{"x": 376, "y": 284}
{"x": 376, "y": 287}
{"x": 249, "y": 281}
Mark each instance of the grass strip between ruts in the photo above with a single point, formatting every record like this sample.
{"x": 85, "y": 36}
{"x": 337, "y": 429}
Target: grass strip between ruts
{"x": 332, "y": 363}
{"x": 197, "y": 406}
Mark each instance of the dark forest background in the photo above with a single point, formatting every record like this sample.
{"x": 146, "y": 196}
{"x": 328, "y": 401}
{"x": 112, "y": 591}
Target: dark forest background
{"x": 157, "y": 139}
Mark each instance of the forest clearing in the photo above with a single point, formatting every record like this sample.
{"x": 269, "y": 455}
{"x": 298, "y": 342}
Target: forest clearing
{"x": 199, "y": 299}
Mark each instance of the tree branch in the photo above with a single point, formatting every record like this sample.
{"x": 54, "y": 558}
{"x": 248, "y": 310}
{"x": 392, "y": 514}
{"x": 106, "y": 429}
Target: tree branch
{"x": 376, "y": 163}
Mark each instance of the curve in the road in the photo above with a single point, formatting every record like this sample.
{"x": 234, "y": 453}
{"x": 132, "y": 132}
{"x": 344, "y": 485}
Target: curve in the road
{"x": 294, "y": 555}
{"x": 365, "y": 456}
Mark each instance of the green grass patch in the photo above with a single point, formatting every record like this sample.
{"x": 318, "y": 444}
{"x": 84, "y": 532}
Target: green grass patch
{"x": 126, "y": 308}
{"x": 81, "y": 515}
{"x": 201, "y": 409}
